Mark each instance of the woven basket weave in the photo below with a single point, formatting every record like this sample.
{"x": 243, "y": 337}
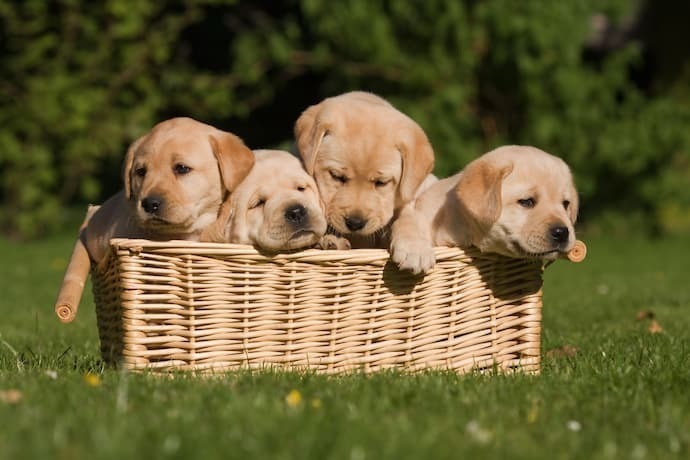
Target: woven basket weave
{"x": 200, "y": 306}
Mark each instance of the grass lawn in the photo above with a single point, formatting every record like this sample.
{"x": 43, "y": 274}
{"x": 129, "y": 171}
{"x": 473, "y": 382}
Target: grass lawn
{"x": 624, "y": 393}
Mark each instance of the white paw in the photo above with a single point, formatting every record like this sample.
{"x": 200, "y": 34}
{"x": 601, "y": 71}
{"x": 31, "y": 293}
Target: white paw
{"x": 416, "y": 256}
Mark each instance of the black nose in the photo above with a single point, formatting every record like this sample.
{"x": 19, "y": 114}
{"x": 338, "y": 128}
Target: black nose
{"x": 295, "y": 214}
{"x": 151, "y": 204}
{"x": 559, "y": 234}
{"x": 355, "y": 223}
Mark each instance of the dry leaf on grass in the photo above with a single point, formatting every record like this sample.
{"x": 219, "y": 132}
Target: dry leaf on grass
{"x": 655, "y": 327}
{"x": 644, "y": 314}
{"x": 478, "y": 433}
{"x": 10, "y": 396}
{"x": 566, "y": 351}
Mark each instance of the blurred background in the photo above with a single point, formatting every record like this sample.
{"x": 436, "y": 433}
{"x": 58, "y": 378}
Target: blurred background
{"x": 605, "y": 84}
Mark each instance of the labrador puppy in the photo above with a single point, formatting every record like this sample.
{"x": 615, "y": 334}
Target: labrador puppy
{"x": 275, "y": 208}
{"x": 368, "y": 160}
{"x": 518, "y": 201}
{"x": 175, "y": 179}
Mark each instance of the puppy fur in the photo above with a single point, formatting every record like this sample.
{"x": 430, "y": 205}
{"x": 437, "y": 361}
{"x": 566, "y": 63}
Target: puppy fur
{"x": 518, "y": 201}
{"x": 175, "y": 178}
{"x": 275, "y": 208}
{"x": 368, "y": 160}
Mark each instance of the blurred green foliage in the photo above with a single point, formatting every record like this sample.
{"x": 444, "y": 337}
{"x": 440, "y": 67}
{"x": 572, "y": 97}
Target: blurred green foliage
{"x": 80, "y": 80}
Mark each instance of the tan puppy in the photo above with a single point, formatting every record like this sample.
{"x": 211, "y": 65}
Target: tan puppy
{"x": 515, "y": 200}
{"x": 275, "y": 208}
{"x": 368, "y": 160}
{"x": 175, "y": 179}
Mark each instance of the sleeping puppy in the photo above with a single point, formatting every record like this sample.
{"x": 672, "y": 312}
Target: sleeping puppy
{"x": 275, "y": 208}
{"x": 175, "y": 180}
{"x": 368, "y": 160}
{"x": 515, "y": 200}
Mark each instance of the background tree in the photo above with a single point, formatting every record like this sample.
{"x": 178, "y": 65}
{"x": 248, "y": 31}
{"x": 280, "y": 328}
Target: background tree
{"x": 602, "y": 83}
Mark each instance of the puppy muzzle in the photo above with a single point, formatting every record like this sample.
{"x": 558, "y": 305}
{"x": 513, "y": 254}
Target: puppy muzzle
{"x": 355, "y": 222}
{"x": 152, "y": 204}
{"x": 296, "y": 215}
{"x": 559, "y": 236}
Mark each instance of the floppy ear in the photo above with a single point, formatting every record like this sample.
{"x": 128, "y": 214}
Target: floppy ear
{"x": 128, "y": 163}
{"x": 236, "y": 226}
{"x": 479, "y": 196}
{"x": 235, "y": 160}
{"x": 218, "y": 231}
{"x": 309, "y": 134}
{"x": 417, "y": 163}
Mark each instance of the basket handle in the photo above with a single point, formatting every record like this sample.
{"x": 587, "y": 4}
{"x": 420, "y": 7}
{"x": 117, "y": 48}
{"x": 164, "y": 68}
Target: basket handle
{"x": 77, "y": 271}
{"x": 577, "y": 253}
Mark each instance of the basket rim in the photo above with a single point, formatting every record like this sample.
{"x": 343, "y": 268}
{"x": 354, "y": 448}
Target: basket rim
{"x": 353, "y": 256}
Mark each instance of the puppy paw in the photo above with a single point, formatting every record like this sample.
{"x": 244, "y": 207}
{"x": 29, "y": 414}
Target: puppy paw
{"x": 416, "y": 256}
{"x": 334, "y": 242}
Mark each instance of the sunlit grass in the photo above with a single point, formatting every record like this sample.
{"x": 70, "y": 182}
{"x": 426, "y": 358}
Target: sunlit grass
{"x": 615, "y": 389}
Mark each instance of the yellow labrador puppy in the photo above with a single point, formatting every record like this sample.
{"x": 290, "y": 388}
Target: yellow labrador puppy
{"x": 515, "y": 200}
{"x": 175, "y": 180}
{"x": 368, "y": 160}
{"x": 276, "y": 207}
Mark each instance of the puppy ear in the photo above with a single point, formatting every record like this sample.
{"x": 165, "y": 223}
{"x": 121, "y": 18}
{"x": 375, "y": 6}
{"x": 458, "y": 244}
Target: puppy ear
{"x": 218, "y": 231}
{"x": 417, "y": 163}
{"x": 129, "y": 163}
{"x": 235, "y": 160}
{"x": 478, "y": 195}
{"x": 309, "y": 135}
{"x": 235, "y": 229}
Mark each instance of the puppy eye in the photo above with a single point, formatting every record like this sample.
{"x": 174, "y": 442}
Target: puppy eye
{"x": 527, "y": 203}
{"x": 338, "y": 177}
{"x": 301, "y": 188}
{"x": 566, "y": 204}
{"x": 258, "y": 204}
{"x": 141, "y": 171}
{"x": 381, "y": 183}
{"x": 181, "y": 169}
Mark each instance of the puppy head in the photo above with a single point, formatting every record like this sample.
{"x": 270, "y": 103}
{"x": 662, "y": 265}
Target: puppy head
{"x": 518, "y": 201}
{"x": 367, "y": 158}
{"x": 177, "y": 175}
{"x": 277, "y": 206}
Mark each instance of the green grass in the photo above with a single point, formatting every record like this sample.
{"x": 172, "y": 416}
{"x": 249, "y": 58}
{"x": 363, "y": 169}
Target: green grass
{"x": 624, "y": 394}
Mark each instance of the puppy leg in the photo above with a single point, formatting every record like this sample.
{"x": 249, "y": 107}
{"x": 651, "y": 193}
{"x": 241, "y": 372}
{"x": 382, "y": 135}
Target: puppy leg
{"x": 77, "y": 272}
{"x": 334, "y": 242}
{"x": 411, "y": 247}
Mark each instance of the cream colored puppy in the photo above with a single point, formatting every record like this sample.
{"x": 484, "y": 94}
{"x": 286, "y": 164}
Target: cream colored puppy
{"x": 175, "y": 180}
{"x": 515, "y": 200}
{"x": 275, "y": 208}
{"x": 368, "y": 160}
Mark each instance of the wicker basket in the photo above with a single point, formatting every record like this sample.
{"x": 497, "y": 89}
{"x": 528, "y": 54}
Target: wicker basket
{"x": 200, "y": 306}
